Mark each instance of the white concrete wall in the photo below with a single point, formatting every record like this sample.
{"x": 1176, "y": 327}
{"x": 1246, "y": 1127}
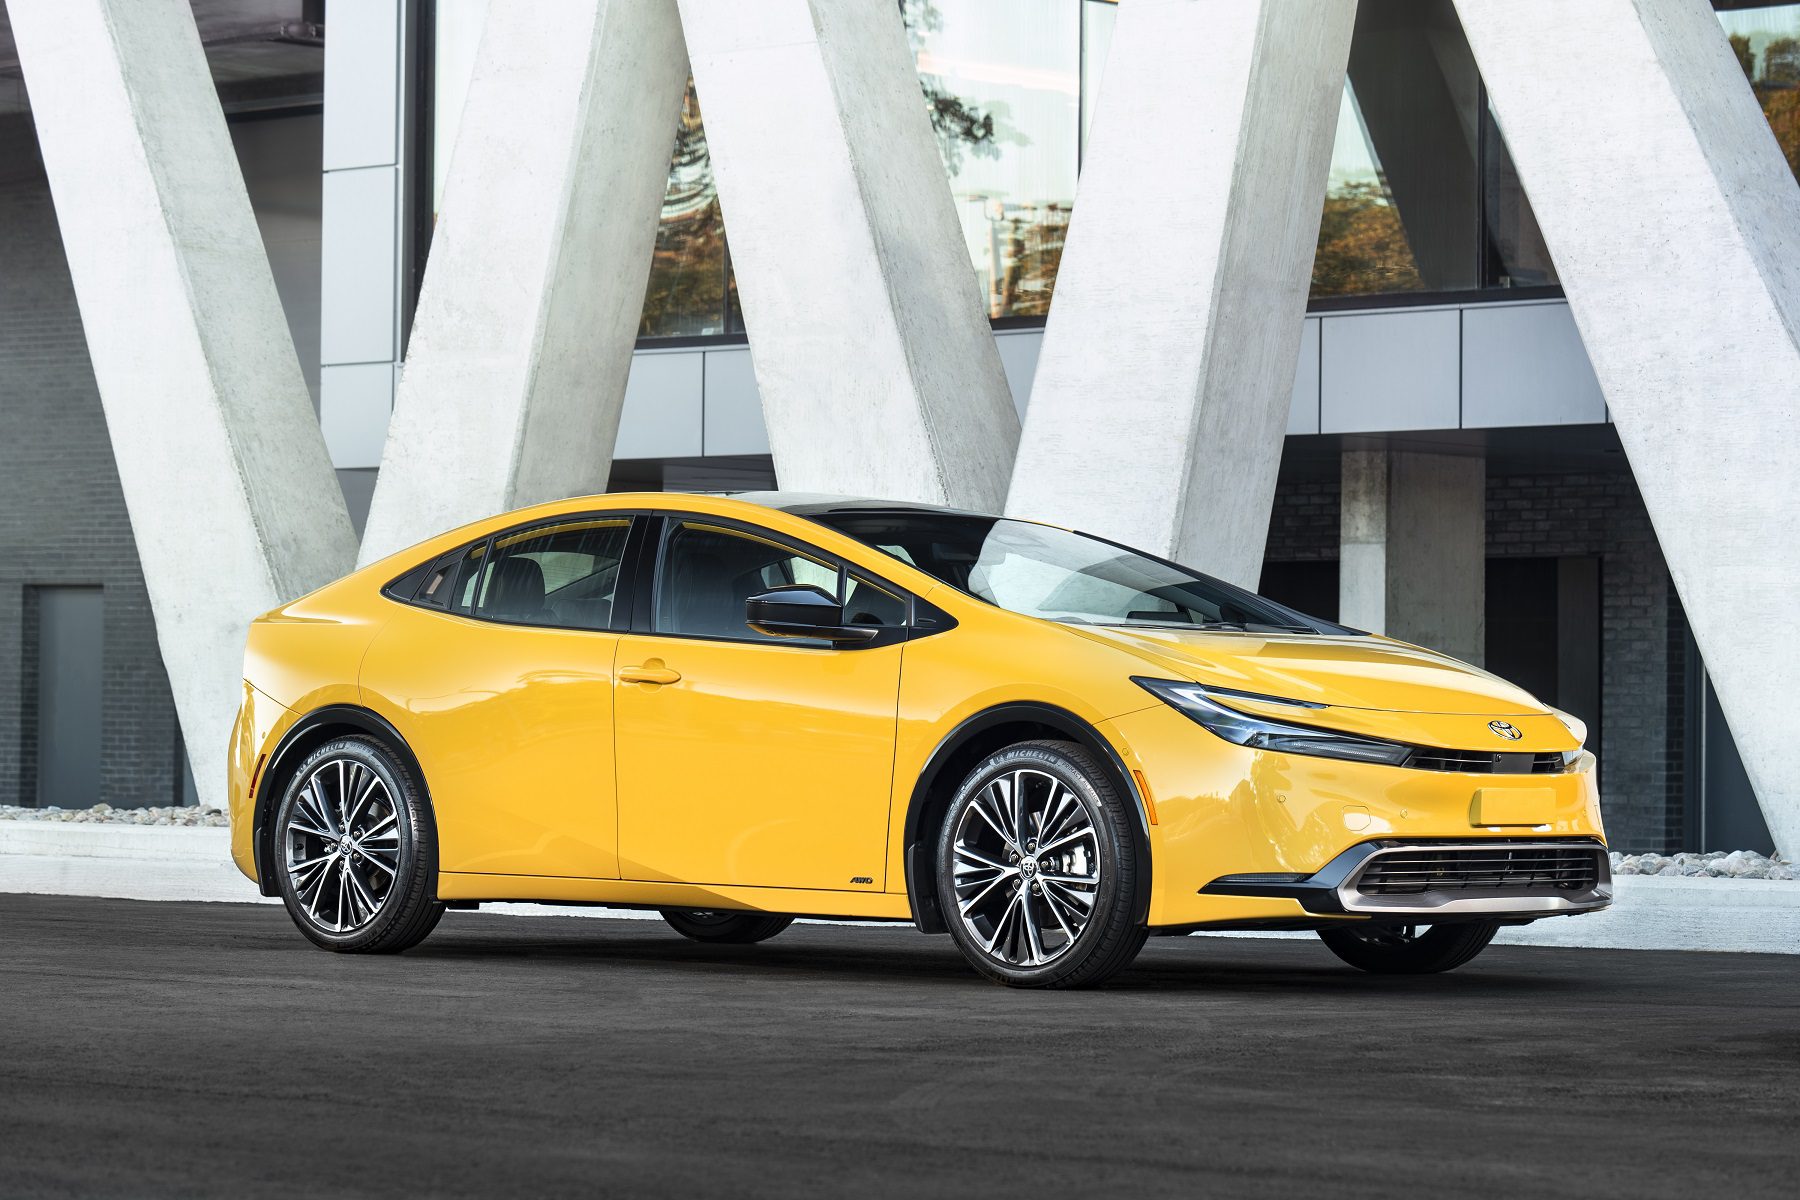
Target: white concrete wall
{"x": 1674, "y": 219}
{"x": 872, "y": 353}
{"x": 516, "y": 372}
{"x": 1168, "y": 366}
{"x": 231, "y": 495}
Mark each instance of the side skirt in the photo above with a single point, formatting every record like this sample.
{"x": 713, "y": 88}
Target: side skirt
{"x": 456, "y": 886}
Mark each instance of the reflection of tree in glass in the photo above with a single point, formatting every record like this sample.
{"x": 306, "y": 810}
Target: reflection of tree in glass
{"x": 1362, "y": 246}
{"x": 1033, "y": 249}
{"x": 686, "y": 290}
{"x": 960, "y": 125}
{"x": 1778, "y": 90}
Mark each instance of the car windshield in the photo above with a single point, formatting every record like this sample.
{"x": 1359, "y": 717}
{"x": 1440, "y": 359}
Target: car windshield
{"x": 1052, "y": 573}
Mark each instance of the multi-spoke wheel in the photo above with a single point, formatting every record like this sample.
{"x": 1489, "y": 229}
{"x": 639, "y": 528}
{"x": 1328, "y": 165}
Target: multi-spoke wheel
{"x": 354, "y": 852}
{"x": 715, "y": 925}
{"x": 1388, "y": 949}
{"x": 1037, "y": 869}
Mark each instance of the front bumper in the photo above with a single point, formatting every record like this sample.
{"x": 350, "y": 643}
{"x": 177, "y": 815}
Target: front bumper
{"x": 1444, "y": 879}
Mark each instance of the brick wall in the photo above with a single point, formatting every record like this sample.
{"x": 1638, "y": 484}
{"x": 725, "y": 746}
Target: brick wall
{"x": 62, "y": 516}
{"x": 1643, "y": 672}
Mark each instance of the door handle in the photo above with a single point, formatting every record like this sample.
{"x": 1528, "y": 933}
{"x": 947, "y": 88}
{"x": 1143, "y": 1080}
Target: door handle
{"x": 651, "y": 672}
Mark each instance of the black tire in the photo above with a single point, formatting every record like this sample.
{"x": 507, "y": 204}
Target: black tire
{"x": 1409, "y": 949}
{"x": 728, "y": 928}
{"x": 406, "y": 907}
{"x": 1112, "y": 935}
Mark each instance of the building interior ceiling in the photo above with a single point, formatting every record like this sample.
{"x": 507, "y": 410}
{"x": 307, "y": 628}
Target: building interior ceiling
{"x": 263, "y": 53}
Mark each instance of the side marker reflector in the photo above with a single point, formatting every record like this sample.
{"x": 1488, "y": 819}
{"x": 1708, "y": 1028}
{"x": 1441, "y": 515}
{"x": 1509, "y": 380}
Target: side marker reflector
{"x": 1144, "y": 791}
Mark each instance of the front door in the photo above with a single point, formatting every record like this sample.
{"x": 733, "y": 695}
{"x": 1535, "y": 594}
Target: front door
{"x": 745, "y": 759}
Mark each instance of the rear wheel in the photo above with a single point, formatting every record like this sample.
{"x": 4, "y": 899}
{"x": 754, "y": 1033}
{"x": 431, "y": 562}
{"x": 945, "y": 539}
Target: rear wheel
{"x": 356, "y": 851}
{"x": 731, "y": 928}
{"x": 1409, "y": 949}
{"x": 1037, "y": 871}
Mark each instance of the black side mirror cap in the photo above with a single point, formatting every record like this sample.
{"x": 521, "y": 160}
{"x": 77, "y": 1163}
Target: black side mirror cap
{"x": 802, "y": 610}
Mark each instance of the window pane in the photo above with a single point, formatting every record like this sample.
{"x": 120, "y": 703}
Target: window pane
{"x": 1767, "y": 43}
{"x": 686, "y": 293}
{"x": 708, "y": 572}
{"x": 564, "y": 576}
{"x": 1002, "y": 85}
{"x": 1097, "y": 17}
{"x": 1520, "y": 257}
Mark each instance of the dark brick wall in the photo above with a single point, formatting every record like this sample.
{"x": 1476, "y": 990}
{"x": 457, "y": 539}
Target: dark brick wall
{"x": 1643, "y": 673}
{"x": 62, "y": 516}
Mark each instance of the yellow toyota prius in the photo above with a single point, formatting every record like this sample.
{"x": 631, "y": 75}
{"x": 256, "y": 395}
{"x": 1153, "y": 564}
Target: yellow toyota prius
{"x": 739, "y": 710}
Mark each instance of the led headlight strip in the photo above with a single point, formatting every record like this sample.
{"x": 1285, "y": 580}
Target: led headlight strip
{"x": 1201, "y": 705}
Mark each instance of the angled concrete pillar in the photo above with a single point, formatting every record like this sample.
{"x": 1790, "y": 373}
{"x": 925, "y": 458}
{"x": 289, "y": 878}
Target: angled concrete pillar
{"x": 1163, "y": 388}
{"x": 232, "y": 500}
{"x": 515, "y": 374}
{"x": 1413, "y": 550}
{"x": 1674, "y": 219}
{"x": 873, "y": 355}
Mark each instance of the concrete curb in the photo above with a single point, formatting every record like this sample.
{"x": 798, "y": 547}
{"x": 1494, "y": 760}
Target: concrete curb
{"x": 155, "y": 862}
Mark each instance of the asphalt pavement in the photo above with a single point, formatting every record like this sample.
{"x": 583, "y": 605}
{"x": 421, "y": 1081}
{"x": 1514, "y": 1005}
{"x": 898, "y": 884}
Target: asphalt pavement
{"x": 168, "y": 1049}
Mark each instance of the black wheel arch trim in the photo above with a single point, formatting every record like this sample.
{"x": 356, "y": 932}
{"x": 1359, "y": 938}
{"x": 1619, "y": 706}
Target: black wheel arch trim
{"x": 921, "y": 886}
{"x": 287, "y": 756}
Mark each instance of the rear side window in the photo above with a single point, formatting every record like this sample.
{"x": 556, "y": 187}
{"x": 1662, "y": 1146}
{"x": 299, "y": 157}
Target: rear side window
{"x": 563, "y": 576}
{"x": 450, "y": 583}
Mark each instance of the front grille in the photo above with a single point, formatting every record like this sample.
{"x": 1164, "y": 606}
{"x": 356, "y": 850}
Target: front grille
{"x": 1485, "y": 762}
{"x": 1505, "y": 870}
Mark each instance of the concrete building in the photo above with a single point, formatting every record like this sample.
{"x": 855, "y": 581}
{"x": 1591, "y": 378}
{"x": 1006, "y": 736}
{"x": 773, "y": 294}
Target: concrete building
{"x": 1450, "y": 470}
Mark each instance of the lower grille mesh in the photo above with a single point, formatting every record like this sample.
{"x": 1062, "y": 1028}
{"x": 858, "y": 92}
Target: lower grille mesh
{"x": 1533, "y": 869}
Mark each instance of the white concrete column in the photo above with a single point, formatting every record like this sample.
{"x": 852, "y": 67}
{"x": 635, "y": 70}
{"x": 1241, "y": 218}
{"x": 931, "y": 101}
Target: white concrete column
{"x": 1167, "y": 369}
{"x": 873, "y": 355}
{"x": 1674, "y": 220}
{"x": 515, "y": 374}
{"x": 232, "y": 500}
{"x": 1413, "y": 549}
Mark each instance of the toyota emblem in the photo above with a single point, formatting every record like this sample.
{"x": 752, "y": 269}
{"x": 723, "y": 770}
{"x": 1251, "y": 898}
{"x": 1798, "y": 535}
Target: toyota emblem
{"x": 1506, "y": 730}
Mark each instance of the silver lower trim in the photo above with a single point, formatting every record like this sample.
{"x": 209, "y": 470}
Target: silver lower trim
{"x": 1546, "y": 902}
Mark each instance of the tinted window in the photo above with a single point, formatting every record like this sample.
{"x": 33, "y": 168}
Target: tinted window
{"x": 707, "y": 572}
{"x": 450, "y": 584}
{"x": 1052, "y": 573}
{"x": 564, "y": 576}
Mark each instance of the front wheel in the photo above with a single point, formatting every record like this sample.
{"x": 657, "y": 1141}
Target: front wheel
{"x": 1409, "y": 949}
{"x": 1037, "y": 870}
{"x": 355, "y": 850}
{"x": 727, "y": 928}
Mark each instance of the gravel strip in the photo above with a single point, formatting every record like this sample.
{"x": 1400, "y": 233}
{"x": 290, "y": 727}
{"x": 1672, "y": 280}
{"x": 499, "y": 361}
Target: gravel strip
{"x": 1716, "y": 864}
{"x": 106, "y": 814}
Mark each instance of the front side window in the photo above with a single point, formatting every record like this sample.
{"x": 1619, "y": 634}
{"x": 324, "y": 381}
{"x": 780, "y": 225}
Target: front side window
{"x": 1057, "y": 575}
{"x": 563, "y": 576}
{"x": 708, "y": 572}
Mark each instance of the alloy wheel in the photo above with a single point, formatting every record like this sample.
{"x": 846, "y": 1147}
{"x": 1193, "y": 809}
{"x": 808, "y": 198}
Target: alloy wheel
{"x": 341, "y": 845}
{"x": 1026, "y": 867}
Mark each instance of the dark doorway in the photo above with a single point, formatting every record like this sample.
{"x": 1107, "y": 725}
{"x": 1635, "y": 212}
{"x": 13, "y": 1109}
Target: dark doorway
{"x": 70, "y": 624}
{"x": 1543, "y": 632}
{"x": 1310, "y": 587}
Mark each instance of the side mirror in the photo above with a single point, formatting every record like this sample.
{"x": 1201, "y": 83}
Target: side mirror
{"x": 801, "y": 610}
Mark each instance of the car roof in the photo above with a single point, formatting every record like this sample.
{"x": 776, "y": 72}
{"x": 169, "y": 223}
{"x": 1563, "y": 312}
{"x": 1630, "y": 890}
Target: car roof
{"x": 815, "y": 504}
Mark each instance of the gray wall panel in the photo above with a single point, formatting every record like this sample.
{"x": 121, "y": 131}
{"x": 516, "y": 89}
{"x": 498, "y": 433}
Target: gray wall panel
{"x": 661, "y": 418}
{"x": 734, "y": 419}
{"x": 1303, "y": 415}
{"x": 1524, "y": 364}
{"x": 358, "y": 273}
{"x": 1019, "y": 359}
{"x": 1389, "y": 371}
{"x": 361, "y": 69}
{"x": 354, "y": 403}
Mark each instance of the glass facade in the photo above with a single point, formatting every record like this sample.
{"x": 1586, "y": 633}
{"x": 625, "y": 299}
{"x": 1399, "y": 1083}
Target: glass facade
{"x": 1421, "y": 199}
{"x": 1766, "y": 39}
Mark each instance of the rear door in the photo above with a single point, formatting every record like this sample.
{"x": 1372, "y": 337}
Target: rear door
{"x": 500, "y": 676}
{"x": 745, "y": 759}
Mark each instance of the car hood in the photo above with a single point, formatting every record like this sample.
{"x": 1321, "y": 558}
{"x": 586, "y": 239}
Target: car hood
{"x": 1346, "y": 672}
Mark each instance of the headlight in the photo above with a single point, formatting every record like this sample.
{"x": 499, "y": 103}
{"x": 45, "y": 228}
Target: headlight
{"x": 1261, "y": 733}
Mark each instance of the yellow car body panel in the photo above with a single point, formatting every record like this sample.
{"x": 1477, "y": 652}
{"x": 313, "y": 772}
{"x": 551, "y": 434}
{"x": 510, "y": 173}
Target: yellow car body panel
{"x": 780, "y": 778}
